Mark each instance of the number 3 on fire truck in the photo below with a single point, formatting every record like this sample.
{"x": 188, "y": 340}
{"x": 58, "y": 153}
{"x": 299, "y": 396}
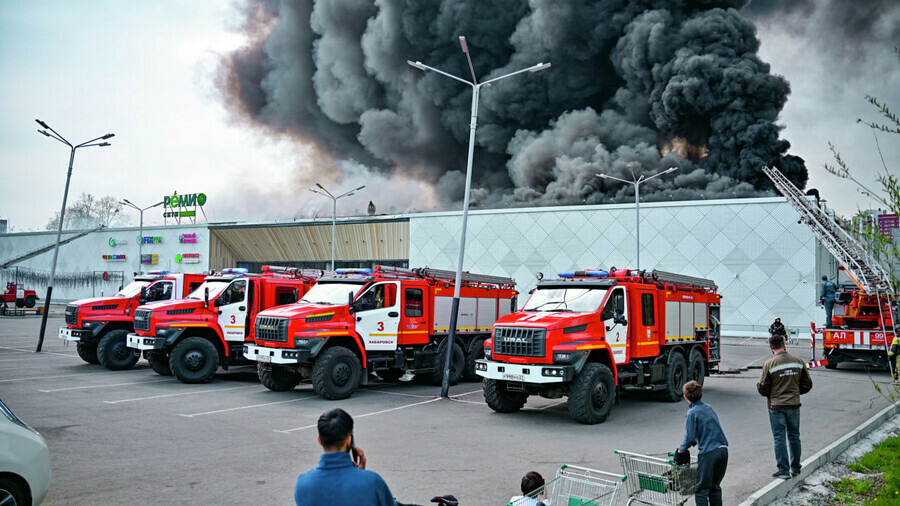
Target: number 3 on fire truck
{"x": 380, "y": 326}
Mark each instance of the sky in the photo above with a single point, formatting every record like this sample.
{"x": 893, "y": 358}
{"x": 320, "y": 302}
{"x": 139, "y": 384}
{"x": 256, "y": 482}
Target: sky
{"x": 145, "y": 71}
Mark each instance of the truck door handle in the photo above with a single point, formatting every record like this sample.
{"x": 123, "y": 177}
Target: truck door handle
{"x": 359, "y": 318}
{"x": 242, "y": 308}
{"x": 393, "y": 314}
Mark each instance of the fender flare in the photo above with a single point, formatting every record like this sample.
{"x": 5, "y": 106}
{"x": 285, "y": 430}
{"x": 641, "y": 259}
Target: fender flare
{"x": 605, "y": 351}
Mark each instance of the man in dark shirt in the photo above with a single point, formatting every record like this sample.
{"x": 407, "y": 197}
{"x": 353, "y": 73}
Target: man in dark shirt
{"x": 702, "y": 428}
{"x": 338, "y": 479}
{"x": 777, "y": 327}
{"x": 827, "y": 298}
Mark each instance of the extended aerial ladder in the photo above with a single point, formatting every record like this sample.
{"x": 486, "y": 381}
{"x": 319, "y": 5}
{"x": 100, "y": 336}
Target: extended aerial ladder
{"x": 866, "y": 272}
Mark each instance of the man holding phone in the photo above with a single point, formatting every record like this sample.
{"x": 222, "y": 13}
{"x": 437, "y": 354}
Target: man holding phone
{"x": 341, "y": 476}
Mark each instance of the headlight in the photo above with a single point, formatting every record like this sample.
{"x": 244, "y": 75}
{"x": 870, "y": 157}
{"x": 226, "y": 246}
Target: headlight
{"x": 553, "y": 371}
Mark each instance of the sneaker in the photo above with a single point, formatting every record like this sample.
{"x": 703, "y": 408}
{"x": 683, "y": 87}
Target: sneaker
{"x": 794, "y": 473}
{"x": 782, "y": 476}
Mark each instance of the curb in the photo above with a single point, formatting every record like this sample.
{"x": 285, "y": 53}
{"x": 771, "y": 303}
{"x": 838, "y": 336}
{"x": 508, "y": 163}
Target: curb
{"x": 778, "y": 489}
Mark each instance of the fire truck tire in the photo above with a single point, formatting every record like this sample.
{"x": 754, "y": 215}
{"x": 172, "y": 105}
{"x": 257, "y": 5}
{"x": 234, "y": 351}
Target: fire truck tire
{"x": 336, "y": 373}
{"x": 476, "y": 353}
{"x": 592, "y": 394}
{"x": 20, "y": 303}
{"x": 30, "y": 301}
{"x": 832, "y": 360}
{"x": 457, "y": 365}
{"x": 159, "y": 362}
{"x": 697, "y": 366}
{"x": 88, "y": 352}
{"x": 391, "y": 374}
{"x": 194, "y": 360}
{"x": 676, "y": 377}
{"x": 113, "y": 351}
{"x": 500, "y": 399}
{"x": 277, "y": 378}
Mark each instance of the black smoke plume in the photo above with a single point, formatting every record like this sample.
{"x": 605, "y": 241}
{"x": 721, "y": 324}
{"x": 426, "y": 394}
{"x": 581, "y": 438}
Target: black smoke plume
{"x": 629, "y": 80}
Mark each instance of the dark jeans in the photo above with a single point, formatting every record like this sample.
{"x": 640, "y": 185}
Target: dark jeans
{"x": 710, "y": 471}
{"x": 786, "y": 420}
{"x": 829, "y": 306}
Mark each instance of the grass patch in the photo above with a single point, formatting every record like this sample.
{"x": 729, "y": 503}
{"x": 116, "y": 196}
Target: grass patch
{"x": 882, "y": 464}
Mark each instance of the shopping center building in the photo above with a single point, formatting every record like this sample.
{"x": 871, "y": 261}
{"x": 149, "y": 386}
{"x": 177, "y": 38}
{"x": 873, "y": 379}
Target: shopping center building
{"x": 763, "y": 260}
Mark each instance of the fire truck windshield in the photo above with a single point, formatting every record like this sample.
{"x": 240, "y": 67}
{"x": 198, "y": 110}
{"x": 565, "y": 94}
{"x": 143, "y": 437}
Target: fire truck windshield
{"x": 577, "y": 300}
{"x": 330, "y": 293}
{"x": 215, "y": 288}
{"x": 132, "y": 289}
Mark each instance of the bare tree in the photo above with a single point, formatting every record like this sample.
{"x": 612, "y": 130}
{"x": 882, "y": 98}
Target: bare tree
{"x": 89, "y": 212}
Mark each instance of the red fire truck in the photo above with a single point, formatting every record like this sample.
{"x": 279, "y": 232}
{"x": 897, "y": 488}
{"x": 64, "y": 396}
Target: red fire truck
{"x": 191, "y": 338}
{"x": 590, "y": 333}
{"x": 387, "y": 320}
{"x": 16, "y": 292}
{"x": 99, "y": 325}
{"x": 863, "y": 328}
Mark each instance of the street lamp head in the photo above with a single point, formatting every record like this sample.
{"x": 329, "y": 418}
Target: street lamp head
{"x": 417, "y": 64}
{"x": 102, "y": 144}
{"x": 44, "y": 132}
{"x": 108, "y": 136}
{"x": 39, "y": 122}
{"x": 320, "y": 186}
{"x": 360, "y": 188}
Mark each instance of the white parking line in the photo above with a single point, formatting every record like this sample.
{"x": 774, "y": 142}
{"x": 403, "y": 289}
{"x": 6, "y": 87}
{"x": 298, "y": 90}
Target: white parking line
{"x": 52, "y": 377}
{"x": 176, "y": 395}
{"x": 25, "y": 359}
{"x": 192, "y": 415}
{"x": 32, "y": 351}
{"x": 288, "y": 431}
{"x": 102, "y": 386}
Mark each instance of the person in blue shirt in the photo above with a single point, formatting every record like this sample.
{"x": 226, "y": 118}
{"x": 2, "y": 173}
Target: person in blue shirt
{"x": 340, "y": 478}
{"x": 826, "y": 298}
{"x": 702, "y": 428}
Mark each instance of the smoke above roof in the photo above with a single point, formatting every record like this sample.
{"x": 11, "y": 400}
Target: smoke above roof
{"x": 636, "y": 87}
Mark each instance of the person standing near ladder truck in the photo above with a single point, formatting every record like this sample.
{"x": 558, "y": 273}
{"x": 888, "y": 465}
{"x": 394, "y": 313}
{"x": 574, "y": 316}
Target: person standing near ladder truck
{"x": 894, "y": 356}
{"x": 826, "y": 298}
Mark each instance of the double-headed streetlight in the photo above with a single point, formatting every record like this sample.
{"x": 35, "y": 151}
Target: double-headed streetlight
{"x": 636, "y": 182}
{"x": 126, "y": 202}
{"x": 53, "y": 134}
{"x": 476, "y": 89}
{"x": 333, "y": 211}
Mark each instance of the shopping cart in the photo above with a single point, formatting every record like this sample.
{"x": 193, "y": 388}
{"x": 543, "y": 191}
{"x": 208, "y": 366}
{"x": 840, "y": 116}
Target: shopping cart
{"x": 576, "y": 486}
{"x": 657, "y": 480}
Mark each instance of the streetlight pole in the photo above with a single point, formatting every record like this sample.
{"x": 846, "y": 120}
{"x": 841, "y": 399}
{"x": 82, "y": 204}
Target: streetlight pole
{"x": 62, "y": 212}
{"x": 326, "y": 193}
{"x": 126, "y": 202}
{"x": 476, "y": 90}
{"x": 636, "y": 182}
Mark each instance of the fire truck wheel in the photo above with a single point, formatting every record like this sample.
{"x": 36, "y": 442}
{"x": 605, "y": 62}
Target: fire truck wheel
{"x": 391, "y": 374}
{"x": 457, "y": 364}
{"x": 113, "y": 351}
{"x": 20, "y": 303}
{"x": 30, "y": 301}
{"x": 592, "y": 394}
{"x": 476, "y": 353}
{"x": 832, "y": 361}
{"x": 500, "y": 399}
{"x": 676, "y": 377}
{"x": 159, "y": 362}
{"x": 697, "y": 369}
{"x": 88, "y": 352}
{"x": 194, "y": 360}
{"x": 336, "y": 373}
{"x": 277, "y": 378}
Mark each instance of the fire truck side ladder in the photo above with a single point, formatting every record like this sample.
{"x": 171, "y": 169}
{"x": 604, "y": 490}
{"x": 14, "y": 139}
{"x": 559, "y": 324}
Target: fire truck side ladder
{"x": 450, "y": 276}
{"x": 859, "y": 264}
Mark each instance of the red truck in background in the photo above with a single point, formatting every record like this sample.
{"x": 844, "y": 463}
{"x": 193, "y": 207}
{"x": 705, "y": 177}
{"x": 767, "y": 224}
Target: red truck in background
{"x": 191, "y": 338}
{"x": 99, "y": 325}
{"x": 591, "y": 333}
{"x": 387, "y": 320}
{"x": 16, "y": 293}
{"x": 862, "y": 328}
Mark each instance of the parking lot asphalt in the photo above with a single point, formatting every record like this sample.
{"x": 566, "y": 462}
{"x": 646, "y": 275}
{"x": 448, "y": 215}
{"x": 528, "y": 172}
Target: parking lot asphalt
{"x": 137, "y": 437}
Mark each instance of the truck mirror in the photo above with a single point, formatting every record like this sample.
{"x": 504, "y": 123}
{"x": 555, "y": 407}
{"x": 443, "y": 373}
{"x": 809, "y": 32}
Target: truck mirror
{"x": 350, "y": 307}
{"x": 143, "y": 294}
{"x": 620, "y": 304}
{"x": 512, "y": 305}
{"x": 620, "y": 318}
{"x": 206, "y": 297}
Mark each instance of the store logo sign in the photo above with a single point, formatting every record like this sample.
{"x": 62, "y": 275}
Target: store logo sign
{"x": 149, "y": 258}
{"x": 188, "y": 258}
{"x": 113, "y": 241}
{"x": 114, "y": 258}
{"x": 149, "y": 240}
{"x": 187, "y": 238}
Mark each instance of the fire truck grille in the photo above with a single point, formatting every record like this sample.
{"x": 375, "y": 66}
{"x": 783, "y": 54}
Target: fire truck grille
{"x": 142, "y": 319}
{"x": 71, "y": 315}
{"x": 271, "y": 329}
{"x": 519, "y": 342}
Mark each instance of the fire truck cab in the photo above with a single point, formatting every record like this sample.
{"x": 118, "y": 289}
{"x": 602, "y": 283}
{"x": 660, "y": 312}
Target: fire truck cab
{"x": 387, "y": 320}
{"x": 589, "y": 334}
{"x": 99, "y": 325}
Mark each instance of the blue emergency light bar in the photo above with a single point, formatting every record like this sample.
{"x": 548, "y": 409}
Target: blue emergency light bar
{"x": 353, "y": 271}
{"x": 157, "y": 273}
{"x": 236, "y": 270}
{"x": 586, "y": 273}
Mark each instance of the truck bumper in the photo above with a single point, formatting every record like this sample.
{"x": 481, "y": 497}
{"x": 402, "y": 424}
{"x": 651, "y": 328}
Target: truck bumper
{"x": 146, "y": 342}
{"x": 525, "y": 373}
{"x": 280, "y": 356}
{"x": 74, "y": 335}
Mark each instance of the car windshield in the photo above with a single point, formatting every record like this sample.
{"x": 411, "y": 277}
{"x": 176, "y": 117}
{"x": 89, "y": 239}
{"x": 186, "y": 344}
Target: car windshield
{"x": 132, "y": 289}
{"x": 577, "y": 300}
{"x": 215, "y": 288}
{"x": 330, "y": 293}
